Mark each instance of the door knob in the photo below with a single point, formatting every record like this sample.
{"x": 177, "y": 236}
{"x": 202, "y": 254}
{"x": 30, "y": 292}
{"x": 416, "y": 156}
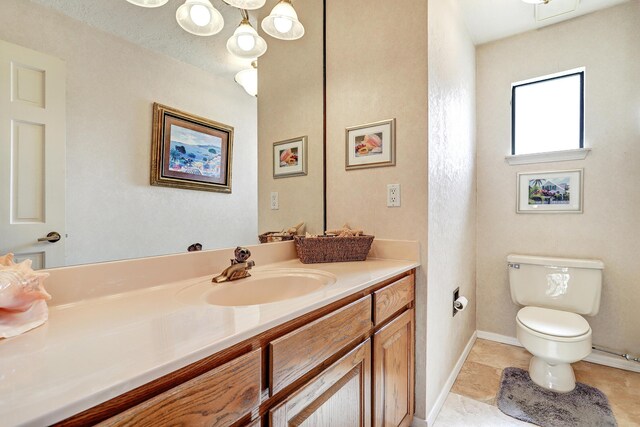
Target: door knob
{"x": 52, "y": 237}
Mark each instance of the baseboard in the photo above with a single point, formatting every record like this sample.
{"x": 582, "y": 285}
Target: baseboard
{"x": 418, "y": 422}
{"x": 433, "y": 414}
{"x": 504, "y": 339}
{"x": 595, "y": 357}
{"x": 612, "y": 361}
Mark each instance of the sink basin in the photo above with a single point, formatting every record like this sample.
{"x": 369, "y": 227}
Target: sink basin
{"x": 263, "y": 287}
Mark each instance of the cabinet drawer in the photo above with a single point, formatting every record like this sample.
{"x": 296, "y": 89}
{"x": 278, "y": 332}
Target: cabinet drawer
{"x": 392, "y": 298}
{"x": 296, "y": 353}
{"x": 219, "y": 397}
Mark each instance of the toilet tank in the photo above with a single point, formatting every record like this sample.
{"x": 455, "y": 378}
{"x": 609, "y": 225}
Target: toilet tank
{"x": 566, "y": 284}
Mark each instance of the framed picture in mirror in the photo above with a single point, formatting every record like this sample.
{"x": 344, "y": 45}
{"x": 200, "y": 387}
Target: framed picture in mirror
{"x": 290, "y": 157}
{"x": 191, "y": 152}
{"x": 371, "y": 145}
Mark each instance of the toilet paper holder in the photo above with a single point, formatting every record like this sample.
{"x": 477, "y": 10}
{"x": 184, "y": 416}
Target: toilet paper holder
{"x": 459, "y": 303}
{"x": 456, "y": 295}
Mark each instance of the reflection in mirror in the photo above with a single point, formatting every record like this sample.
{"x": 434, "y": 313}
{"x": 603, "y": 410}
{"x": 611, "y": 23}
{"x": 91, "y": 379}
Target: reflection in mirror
{"x": 78, "y": 83}
{"x": 291, "y": 107}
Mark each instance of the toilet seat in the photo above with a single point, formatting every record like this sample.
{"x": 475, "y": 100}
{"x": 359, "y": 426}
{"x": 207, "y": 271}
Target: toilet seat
{"x": 556, "y": 324}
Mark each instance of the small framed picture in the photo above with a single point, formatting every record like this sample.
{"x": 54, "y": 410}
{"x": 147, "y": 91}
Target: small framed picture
{"x": 290, "y": 157}
{"x": 371, "y": 145}
{"x": 550, "y": 192}
{"x": 190, "y": 152}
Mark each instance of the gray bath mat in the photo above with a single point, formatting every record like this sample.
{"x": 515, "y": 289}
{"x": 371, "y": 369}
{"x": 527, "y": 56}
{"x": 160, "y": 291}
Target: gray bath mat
{"x": 521, "y": 398}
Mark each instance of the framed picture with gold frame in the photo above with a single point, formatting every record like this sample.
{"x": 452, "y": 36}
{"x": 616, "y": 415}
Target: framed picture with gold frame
{"x": 371, "y": 145}
{"x": 191, "y": 152}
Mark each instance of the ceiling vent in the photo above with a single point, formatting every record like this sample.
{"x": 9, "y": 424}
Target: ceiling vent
{"x": 555, "y": 8}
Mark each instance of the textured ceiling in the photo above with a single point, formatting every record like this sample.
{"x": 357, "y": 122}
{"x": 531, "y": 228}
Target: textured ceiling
{"x": 156, "y": 29}
{"x": 489, "y": 20}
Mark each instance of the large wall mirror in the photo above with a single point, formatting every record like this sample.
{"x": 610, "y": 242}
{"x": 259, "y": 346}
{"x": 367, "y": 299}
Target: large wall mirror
{"x": 88, "y": 72}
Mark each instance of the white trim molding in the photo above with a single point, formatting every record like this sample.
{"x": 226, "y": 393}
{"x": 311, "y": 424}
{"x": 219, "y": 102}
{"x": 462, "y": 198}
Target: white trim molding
{"x": 549, "y": 156}
{"x": 418, "y": 422}
{"x": 595, "y": 356}
{"x": 435, "y": 410}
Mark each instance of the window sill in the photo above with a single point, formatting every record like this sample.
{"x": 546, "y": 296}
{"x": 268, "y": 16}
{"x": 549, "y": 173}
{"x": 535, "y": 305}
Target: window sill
{"x": 551, "y": 156}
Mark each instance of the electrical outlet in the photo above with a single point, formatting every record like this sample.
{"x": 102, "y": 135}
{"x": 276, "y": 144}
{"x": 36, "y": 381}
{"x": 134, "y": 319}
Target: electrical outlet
{"x": 456, "y": 295}
{"x": 275, "y": 204}
{"x": 393, "y": 195}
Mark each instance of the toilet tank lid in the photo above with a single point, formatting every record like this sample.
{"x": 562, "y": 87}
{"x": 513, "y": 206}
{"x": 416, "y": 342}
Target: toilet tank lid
{"x": 553, "y": 261}
{"x": 553, "y": 322}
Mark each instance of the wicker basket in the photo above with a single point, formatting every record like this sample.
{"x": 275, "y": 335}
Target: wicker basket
{"x": 269, "y": 237}
{"x": 312, "y": 250}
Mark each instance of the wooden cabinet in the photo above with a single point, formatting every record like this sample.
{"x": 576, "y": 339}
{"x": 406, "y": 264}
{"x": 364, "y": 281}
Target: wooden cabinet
{"x": 348, "y": 364}
{"x": 339, "y": 397}
{"x": 393, "y": 364}
{"x": 391, "y": 299}
{"x": 296, "y": 353}
{"x": 221, "y": 397}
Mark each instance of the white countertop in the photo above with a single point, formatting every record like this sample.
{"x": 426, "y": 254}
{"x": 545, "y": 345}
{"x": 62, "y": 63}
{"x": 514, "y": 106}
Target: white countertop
{"x": 93, "y": 350}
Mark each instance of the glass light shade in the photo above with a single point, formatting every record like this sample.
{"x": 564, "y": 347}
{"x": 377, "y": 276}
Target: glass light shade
{"x": 248, "y": 79}
{"x": 246, "y": 4}
{"x": 148, "y": 3}
{"x": 283, "y": 22}
{"x": 245, "y": 42}
{"x": 199, "y": 17}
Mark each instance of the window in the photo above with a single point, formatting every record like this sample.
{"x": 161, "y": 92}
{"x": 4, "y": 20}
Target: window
{"x": 547, "y": 113}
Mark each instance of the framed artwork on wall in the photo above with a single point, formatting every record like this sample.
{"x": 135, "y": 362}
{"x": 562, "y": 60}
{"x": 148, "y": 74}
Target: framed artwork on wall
{"x": 190, "y": 152}
{"x": 550, "y": 192}
{"x": 290, "y": 157}
{"x": 371, "y": 145}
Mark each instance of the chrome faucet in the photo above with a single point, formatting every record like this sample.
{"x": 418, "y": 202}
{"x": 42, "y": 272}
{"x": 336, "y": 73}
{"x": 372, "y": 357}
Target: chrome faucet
{"x": 239, "y": 268}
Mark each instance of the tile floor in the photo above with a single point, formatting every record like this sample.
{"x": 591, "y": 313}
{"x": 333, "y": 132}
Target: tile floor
{"x": 461, "y": 411}
{"x": 472, "y": 398}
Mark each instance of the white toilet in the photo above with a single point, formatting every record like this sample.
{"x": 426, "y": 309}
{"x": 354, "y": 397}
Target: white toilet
{"x": 555, "y": 293}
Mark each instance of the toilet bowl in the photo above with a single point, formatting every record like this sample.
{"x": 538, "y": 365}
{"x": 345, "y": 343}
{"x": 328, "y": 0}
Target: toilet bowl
{"x": 555, "y": 293}
{"x": 556, "y": 339}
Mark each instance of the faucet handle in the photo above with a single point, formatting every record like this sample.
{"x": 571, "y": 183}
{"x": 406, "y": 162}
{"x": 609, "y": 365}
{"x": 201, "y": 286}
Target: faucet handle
{"x": 242, "y": 254}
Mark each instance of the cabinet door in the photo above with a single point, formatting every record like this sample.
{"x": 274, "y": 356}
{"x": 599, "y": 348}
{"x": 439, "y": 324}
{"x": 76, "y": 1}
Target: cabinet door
{"x": 338, "y": 397}
{"x": 393, "y": 360}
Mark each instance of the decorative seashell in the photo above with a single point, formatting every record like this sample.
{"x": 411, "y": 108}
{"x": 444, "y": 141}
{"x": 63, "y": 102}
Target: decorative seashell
{"x": 285, "y": 154}
{"x": 6, "y": 260}
{"x": 22, "y": 297}
{"x": 373, "y": 141}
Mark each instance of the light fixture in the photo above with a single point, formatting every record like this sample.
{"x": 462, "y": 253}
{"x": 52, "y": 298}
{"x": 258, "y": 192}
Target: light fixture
{"x": 536, "y": 1}
{"x": 248, "y": 79}
{"x": 283, "y": 22}
{"x": 199, "y": 17}
{"x": 148, "y": 3}
{"x": 246, "y": 4}
{"x": 245, "y": 42}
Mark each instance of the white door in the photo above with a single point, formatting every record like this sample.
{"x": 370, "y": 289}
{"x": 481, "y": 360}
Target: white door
{"x": 32, "y": 155}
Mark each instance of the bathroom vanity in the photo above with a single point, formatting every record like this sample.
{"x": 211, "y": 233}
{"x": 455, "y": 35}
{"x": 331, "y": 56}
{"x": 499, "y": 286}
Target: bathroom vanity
{"x": 343, "y": 355}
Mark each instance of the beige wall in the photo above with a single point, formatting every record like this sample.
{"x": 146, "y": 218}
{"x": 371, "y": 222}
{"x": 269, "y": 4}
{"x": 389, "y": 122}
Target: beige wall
{"x": 112, "y": 211}
{"x": 291, "y": 77}
{"x": 607, "y": 44}
{"x": 377, "y": 70}
{"x": 452, "y": 192}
